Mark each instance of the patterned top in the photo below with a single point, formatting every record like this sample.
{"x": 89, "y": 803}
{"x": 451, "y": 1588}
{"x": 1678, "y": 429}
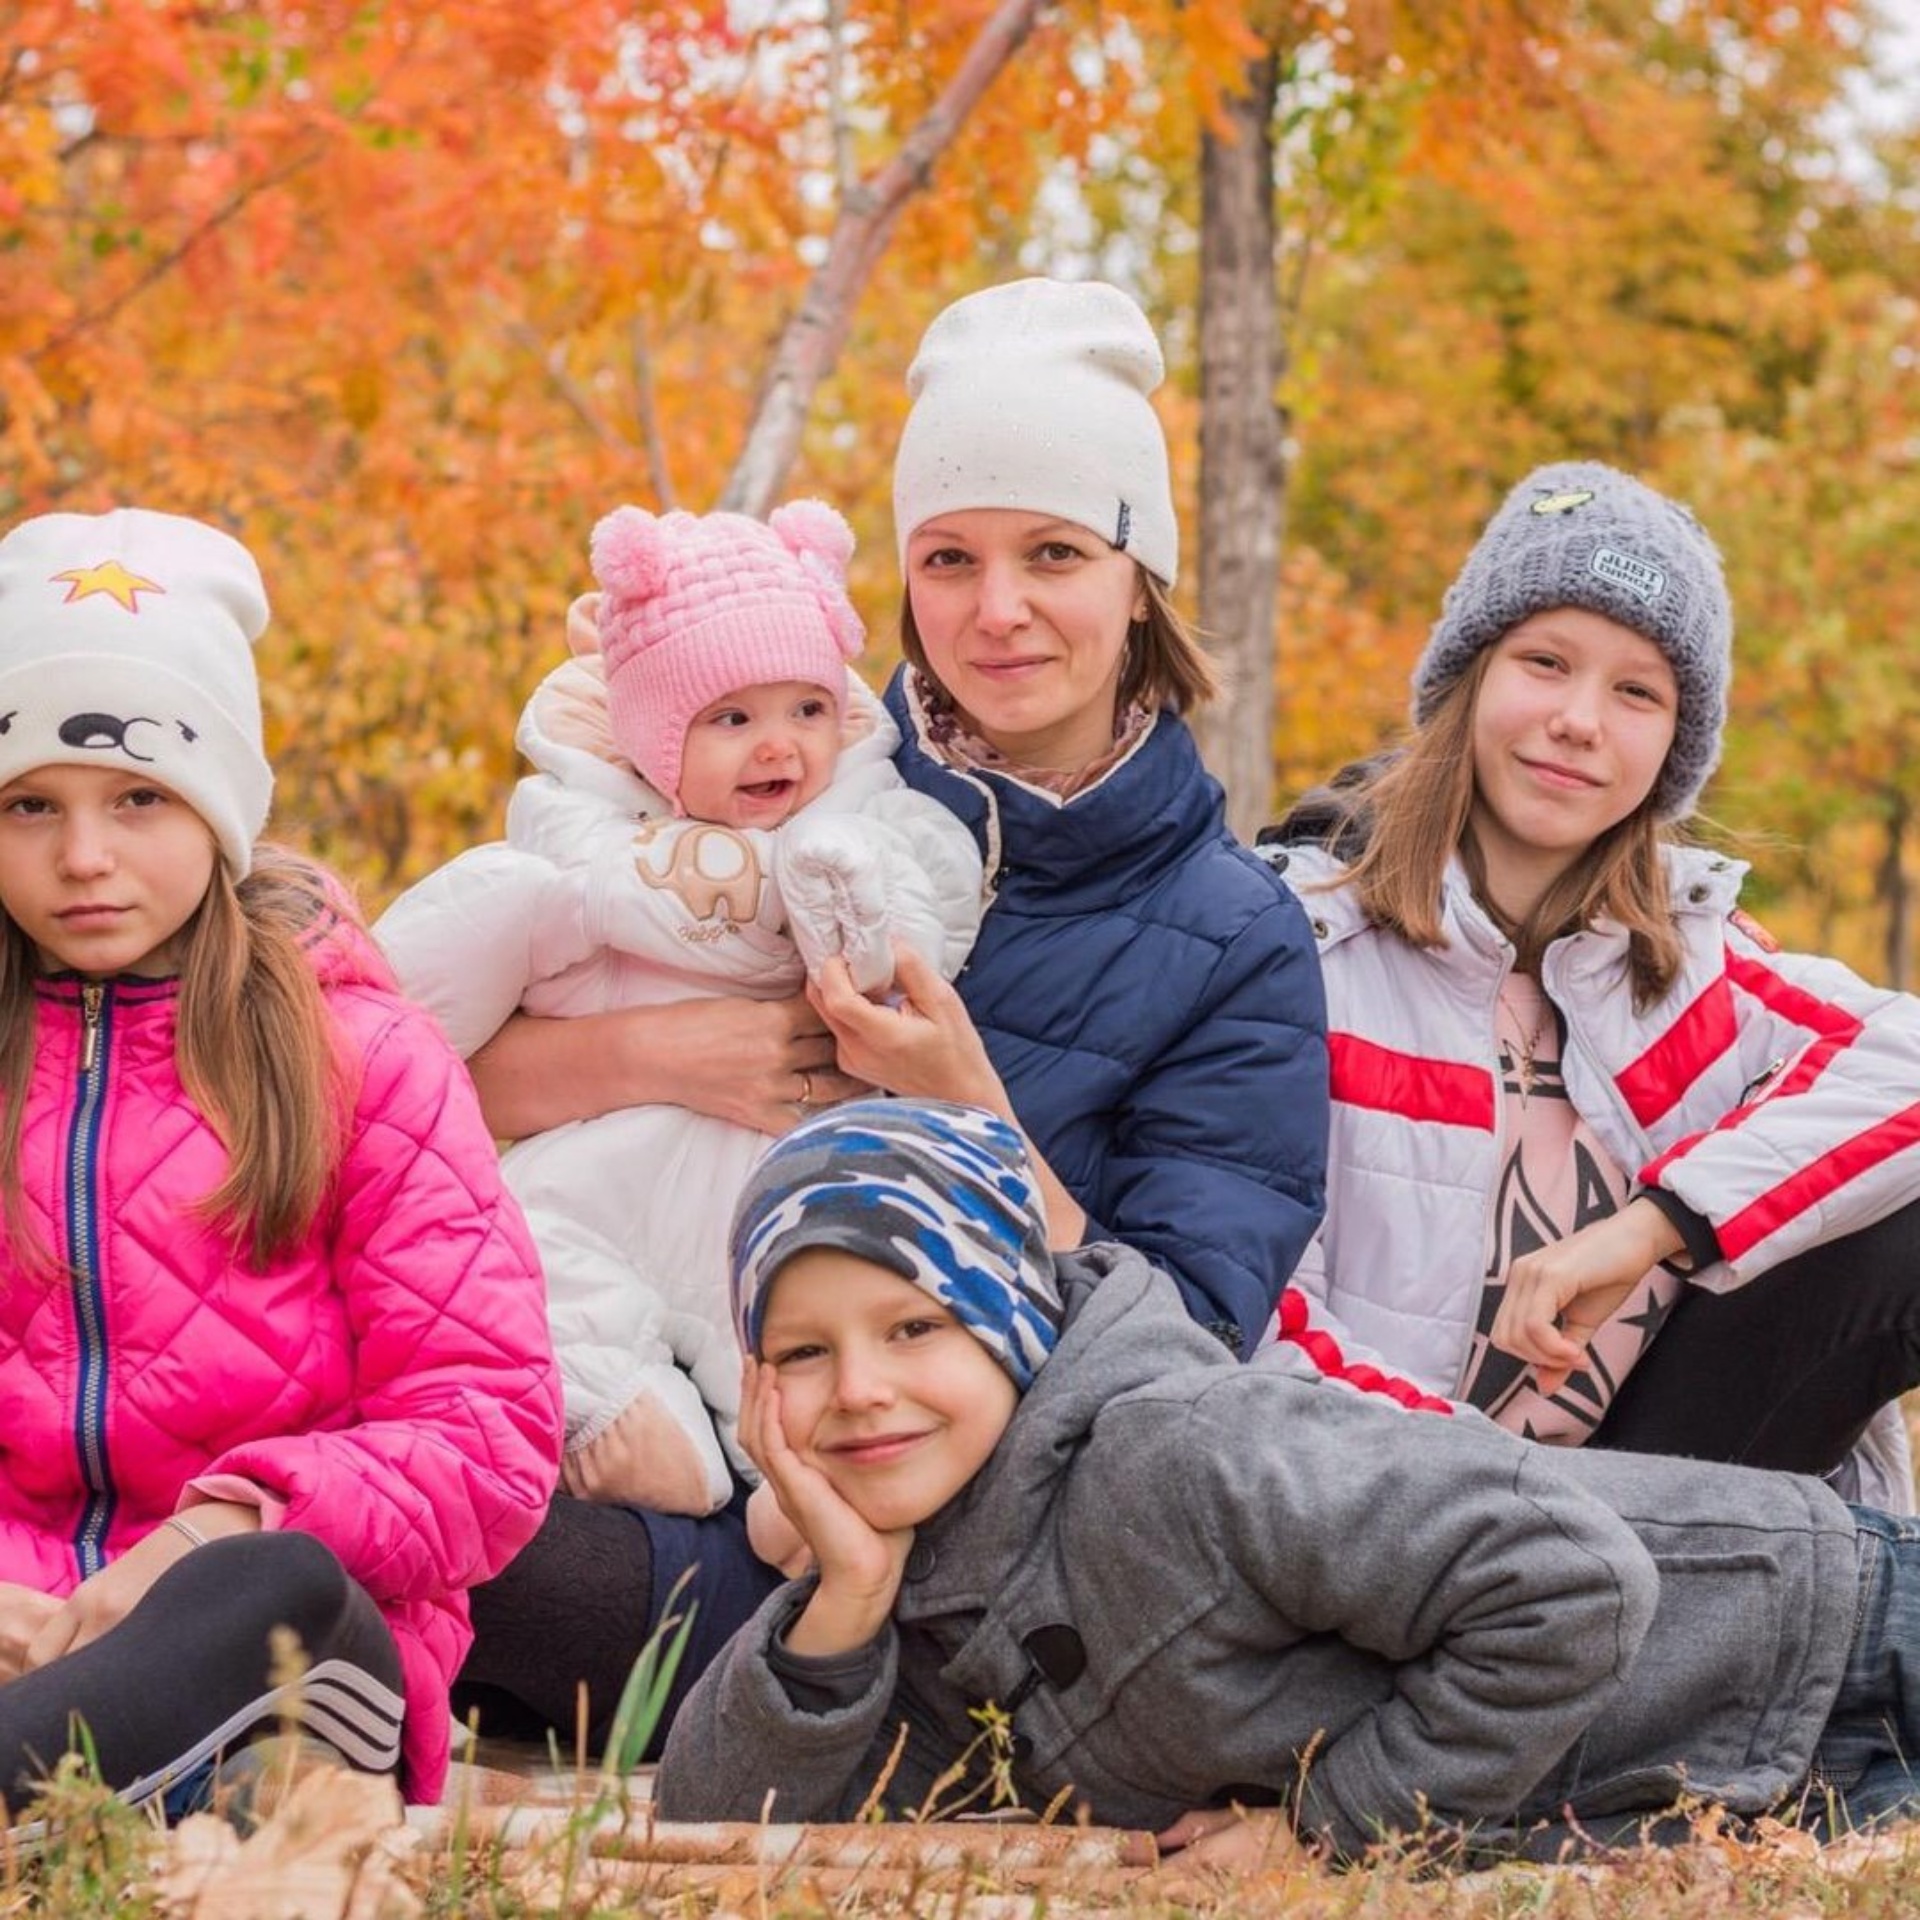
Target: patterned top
{"x": 1556, "y": 1178}
{"x": 959, "y": 747}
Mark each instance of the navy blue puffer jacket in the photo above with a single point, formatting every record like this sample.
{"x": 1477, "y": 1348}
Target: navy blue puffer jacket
{"x": 1149, "y": 994}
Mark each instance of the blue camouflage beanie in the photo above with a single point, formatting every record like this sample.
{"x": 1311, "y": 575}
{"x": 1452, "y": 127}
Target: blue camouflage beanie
{"x": 942, "y": 1195}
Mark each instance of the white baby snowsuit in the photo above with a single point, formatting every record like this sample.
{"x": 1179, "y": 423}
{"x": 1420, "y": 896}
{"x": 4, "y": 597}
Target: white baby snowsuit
{"x": 600, "y": 898}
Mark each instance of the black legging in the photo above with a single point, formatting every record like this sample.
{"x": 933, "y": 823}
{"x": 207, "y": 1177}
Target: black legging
{"x": 570, "y": 1614}
{"x": 189, "y": 1674}
{"x": 1787, "y": 1370}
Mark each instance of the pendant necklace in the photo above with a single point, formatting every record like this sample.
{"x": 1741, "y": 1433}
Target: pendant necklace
{"x": 1521, "y": 1046}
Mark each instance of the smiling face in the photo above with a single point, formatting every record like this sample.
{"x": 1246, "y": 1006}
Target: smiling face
{"x": 756, "y": 756}
{"x": 1024, "y": 622}
{"x": 881, "y": 1388}
{"x": 1570, "y": 730}
{"x": 101, "y": 869}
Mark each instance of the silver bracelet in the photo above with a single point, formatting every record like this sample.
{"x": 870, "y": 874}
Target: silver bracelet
{"x": 185, "y": 1529}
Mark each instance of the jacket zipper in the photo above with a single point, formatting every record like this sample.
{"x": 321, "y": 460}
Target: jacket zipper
{"x": 83, "y": 1244}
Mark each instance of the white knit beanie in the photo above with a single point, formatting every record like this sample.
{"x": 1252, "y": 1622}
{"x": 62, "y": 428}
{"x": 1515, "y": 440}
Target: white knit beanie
{"x": 1034, "y": 395}
{"x": 126, "y": 640}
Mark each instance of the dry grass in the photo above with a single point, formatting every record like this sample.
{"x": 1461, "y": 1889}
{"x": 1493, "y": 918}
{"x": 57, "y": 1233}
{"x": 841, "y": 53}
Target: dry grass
{"x": 338, "y": 1848}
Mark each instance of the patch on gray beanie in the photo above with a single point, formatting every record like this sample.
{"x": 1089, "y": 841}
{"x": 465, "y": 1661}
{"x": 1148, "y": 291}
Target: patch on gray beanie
{"x": 1579, "y": 534}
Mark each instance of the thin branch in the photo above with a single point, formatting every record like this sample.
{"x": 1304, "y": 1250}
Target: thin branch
{"x": 564, "y": 384}
{"x": 811, "y": 342}
{"x": 842, "y": 128}
{"x": 646, "y": 409}
{"x": 165, "y": 264}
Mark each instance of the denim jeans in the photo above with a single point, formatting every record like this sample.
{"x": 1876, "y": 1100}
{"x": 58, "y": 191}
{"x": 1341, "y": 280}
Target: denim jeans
{"x": 1869, "y": 1755}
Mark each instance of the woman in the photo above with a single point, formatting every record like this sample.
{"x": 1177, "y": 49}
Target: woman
{"x": 1605, "y": 1162}
{"x": 1143, "y": 998}
{"x": 1139, "y": 1001}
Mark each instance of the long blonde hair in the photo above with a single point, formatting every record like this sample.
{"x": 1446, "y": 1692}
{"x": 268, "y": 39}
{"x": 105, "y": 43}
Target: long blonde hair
{"x": 257, "y": 1051}
{"x": 1416, "y": 810}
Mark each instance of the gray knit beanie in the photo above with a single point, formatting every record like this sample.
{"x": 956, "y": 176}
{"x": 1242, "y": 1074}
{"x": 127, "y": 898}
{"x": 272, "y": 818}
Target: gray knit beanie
{"x": 1578, "y": 534}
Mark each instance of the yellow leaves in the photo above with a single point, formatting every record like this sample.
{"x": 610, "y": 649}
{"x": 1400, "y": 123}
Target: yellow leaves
{"x": 26, "y": 411}
{"x": 1340, "y": 680}
{"x": 362, "y": 388}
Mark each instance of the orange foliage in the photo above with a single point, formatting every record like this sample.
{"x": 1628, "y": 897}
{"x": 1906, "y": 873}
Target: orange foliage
{"x": 409, "y": 294}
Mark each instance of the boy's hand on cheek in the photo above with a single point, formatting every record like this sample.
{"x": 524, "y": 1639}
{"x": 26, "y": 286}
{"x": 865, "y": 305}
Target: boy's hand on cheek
{"x": 859, "y": 1566}
{"x": 773, "y": 1537}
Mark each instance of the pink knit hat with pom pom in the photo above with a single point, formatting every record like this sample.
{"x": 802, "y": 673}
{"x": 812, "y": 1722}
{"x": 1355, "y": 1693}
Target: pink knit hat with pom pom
{"x": 697, "y": 605}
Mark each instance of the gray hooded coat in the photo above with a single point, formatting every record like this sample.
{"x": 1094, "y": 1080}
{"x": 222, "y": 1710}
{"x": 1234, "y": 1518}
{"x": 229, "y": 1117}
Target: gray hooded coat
{"x": 1195, "y": 1582}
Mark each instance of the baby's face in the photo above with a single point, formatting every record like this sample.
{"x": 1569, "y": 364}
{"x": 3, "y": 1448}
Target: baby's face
{"x": 756, "y": 756}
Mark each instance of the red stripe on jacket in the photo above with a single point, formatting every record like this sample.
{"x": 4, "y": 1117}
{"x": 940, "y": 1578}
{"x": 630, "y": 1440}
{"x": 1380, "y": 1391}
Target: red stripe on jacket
{"x": 1656, "y": 1083}
{"x": 1836, "y": 1030}
{"x": 1819, "y": 1178}
{"x": 1290, "y": 1319}
{"x": 1365, "y": 1074}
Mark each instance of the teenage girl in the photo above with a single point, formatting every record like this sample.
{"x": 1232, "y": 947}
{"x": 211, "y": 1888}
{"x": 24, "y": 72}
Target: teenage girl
{"x": 1605, "y": 1162}
{"x": 272, "y": 1346}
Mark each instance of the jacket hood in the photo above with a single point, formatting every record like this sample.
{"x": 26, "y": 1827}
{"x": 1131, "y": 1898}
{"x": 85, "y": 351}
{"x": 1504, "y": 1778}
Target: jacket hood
{"x": 1699, "y": 881}
{"x": 335, "y": 936}
{"x": 1086, "y": 854}
{"x": 1124, "y": 1328}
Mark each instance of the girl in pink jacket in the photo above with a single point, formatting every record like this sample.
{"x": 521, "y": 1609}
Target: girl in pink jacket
{"x": 273, "y": 1352}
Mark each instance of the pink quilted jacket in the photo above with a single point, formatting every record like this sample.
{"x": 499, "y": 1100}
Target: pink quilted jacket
{"x": 390, "y": 1390}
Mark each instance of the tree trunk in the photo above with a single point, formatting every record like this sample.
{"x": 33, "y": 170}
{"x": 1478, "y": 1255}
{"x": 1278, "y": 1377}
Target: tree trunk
{"x": 1896, "y": 891}
{"x": 1242, "y": 455}
{"x": 811, "y": 341}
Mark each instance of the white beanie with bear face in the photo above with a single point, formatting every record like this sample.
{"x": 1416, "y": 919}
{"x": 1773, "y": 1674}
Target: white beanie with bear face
{"x": 126, "y": 640}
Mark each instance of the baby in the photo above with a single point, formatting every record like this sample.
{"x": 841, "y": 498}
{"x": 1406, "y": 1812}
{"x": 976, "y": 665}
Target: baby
{"x": 715, "y": 812}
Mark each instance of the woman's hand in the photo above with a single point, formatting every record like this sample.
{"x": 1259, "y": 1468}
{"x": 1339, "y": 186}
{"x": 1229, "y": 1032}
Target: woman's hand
{"x": 926, "y": 1046}
{"x": 860, "y": 1567}
{"x": 1559, "y": 1297}
{"x": 757, "y": 1063}
{"x": 23, "y": 1612}
{"x": 924, "y": 1043}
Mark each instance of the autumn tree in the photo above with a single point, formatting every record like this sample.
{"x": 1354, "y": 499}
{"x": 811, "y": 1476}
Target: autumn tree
{"x": 410, "y": 294}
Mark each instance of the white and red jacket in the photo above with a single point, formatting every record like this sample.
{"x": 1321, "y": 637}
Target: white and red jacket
{"x": 1775, "y": 1095}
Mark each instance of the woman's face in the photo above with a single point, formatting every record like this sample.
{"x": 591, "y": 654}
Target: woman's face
{"x": 1570, "y": 730}
{"x": 1024, "y": 621}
